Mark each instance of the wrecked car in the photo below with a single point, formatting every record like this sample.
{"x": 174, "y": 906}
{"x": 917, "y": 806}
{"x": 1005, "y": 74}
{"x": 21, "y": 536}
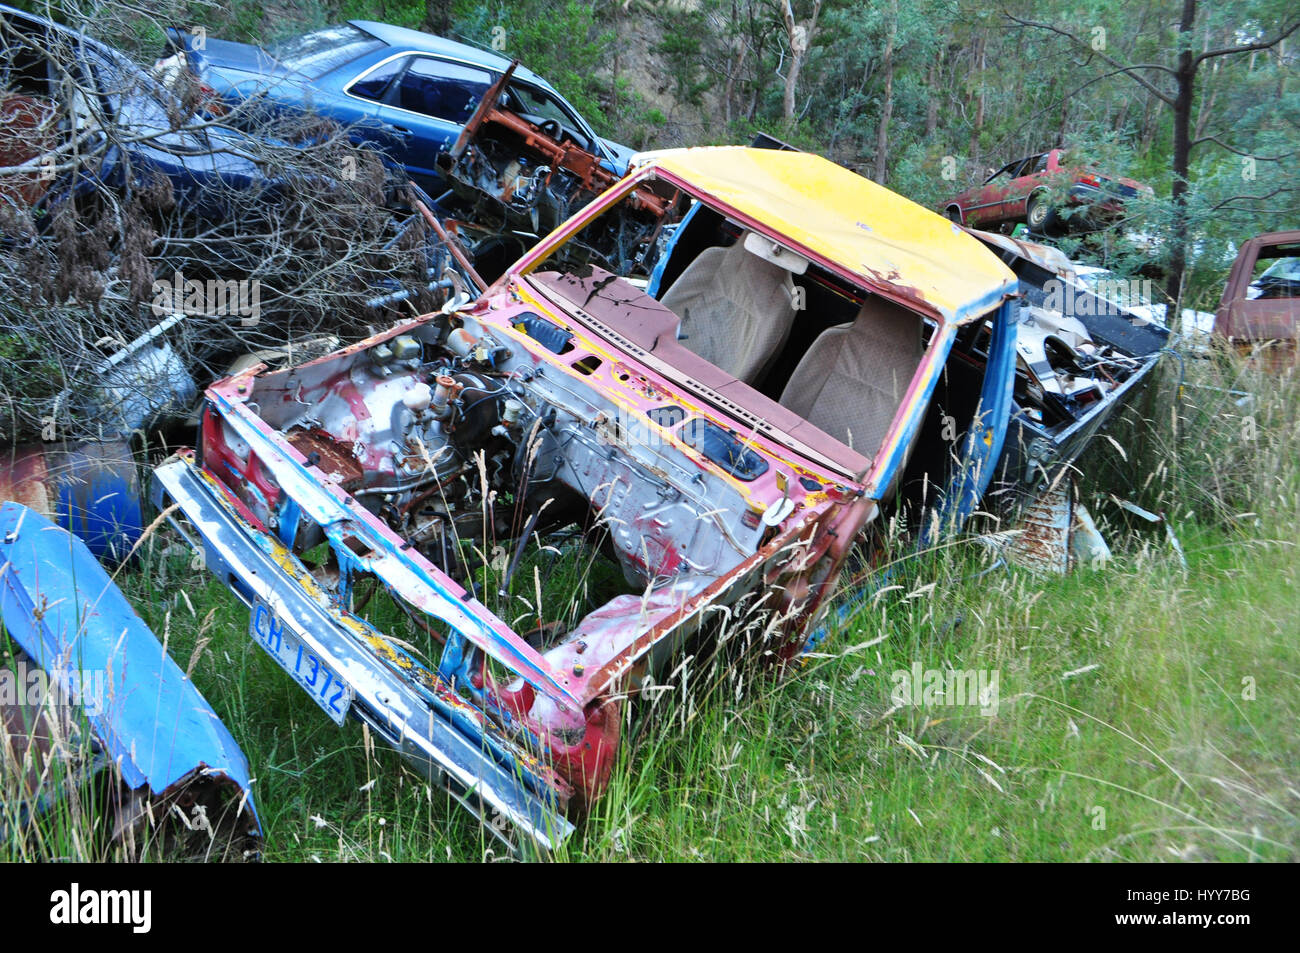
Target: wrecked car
{"x": 1080, "y": 357}
{"x": 409, "y": 93}
{"x": 1049, "y": 192}
{"x": 1259, "y": 312}
{"x": 81, "y": 107}
{"x": 504, "y": 155}
{"x": 81, "y": 117}
{"x": 698, "y": 393}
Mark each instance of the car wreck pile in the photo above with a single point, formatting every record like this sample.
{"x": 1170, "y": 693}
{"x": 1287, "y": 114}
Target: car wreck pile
{"x": 713, "y": 375}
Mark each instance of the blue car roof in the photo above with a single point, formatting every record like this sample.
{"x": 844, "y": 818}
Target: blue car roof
{"x": 398, "y": 36}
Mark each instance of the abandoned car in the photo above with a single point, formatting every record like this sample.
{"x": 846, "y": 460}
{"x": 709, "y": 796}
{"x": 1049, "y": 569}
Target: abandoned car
{"x": 1259, "y": 313}
{"x": 1048, "y": 192}
{"x": 1080, "y": 357}
{"x": 710, "y": 382}
{"x": 409, "y": 93}
{"x": 83, "y": 115}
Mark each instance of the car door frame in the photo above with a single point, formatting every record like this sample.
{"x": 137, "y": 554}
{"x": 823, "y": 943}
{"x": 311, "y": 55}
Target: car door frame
{"x": 1015, "y": 204}
{"x": 454, "y": 129}
{"x": 989, "y": 197}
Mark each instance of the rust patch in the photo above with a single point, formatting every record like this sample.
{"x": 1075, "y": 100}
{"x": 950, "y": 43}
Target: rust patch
{"x": 331, "y": 457}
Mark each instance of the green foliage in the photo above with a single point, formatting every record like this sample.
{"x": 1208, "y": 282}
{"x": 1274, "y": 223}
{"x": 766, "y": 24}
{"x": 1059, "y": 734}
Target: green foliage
{"x": 682, "y": 49}
{"x": 560, "y": 40}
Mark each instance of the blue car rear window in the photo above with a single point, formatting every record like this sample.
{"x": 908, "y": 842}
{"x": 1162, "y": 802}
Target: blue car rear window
{"x": 375, "y": 83}
{"x": 314, "y": 54}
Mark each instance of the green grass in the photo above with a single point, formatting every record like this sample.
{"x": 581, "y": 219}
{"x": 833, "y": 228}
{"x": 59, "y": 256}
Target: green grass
{"x": 1144, "y": 711}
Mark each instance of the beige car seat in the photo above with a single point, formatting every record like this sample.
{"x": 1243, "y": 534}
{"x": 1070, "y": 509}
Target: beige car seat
{"x": 852, "y": 380}
{"x": 736, "y": 309}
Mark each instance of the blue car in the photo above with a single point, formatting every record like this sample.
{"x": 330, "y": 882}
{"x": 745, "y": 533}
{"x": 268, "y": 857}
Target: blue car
{"x": 407, "y": 92}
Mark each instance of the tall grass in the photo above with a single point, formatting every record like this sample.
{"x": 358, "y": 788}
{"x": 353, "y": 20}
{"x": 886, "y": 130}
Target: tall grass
{"x": 1144, "y": 711}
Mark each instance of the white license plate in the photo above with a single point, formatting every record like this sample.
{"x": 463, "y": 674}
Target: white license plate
{"x": 319, "y": 681}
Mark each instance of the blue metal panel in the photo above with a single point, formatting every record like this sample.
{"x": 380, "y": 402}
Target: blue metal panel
{"x": 657, "y": 276}
{"x": 58, "y": 603}
{"x": 97, "y": 490}
{"x": 987, "y": 432}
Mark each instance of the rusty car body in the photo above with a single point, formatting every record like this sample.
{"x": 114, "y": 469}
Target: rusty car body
{"x": 1048, "y": 191}
{"x": 712, "y": 381}
{"x": 513, "y": 176}
{"x": 1259, "y": 313}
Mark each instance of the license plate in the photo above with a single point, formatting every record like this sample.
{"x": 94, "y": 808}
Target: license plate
{"x": 319, "y": 681}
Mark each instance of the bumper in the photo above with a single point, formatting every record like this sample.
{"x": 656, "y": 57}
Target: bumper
{"x": 450, "y": 741}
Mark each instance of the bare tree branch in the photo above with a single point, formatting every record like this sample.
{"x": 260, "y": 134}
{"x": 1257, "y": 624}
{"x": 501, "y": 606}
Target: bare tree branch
{"x": 1132, "y": 71}
{"x": 1224, "y": 145}
{"x": 1248, "y": 47}
{"x": 1253, "y": 198}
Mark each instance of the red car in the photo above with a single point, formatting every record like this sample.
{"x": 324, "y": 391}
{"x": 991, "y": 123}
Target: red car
{"x": 1030, "y": 189}
{"x": 1259, "y": 313}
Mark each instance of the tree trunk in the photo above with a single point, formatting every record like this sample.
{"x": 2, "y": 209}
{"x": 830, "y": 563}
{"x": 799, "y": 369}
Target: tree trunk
{"x": 800, "y": 39}
{"x": 1186, "y": 79}
{"x": 728, "y": 94}
{"x": 886, "y": 108}
{"x": 1065, "y": 118}
{"x": 932, "y": 103}
{"x": 977, "y": 61}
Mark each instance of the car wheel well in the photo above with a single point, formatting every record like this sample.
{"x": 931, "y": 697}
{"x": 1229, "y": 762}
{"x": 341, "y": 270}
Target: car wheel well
{"x": 1036, "y": 199}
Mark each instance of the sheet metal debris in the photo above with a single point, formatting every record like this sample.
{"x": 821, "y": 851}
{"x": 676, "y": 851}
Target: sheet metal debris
{"x": 91, "y": 489}
{"x": 144, "y": 722}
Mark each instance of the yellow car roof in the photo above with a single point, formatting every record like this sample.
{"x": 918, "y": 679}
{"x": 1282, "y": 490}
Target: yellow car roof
{"x": 882, "y": 239}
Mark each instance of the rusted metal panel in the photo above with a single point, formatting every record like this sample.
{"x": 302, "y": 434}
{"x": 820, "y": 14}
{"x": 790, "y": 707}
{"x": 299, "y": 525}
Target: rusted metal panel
{"x": 1244, "y": 319}
{"x": 92, "y": 489}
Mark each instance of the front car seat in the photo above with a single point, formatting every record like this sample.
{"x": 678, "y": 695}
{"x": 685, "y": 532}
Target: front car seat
{"x": 852, "y": 380}
{"x": 736, "y": 309}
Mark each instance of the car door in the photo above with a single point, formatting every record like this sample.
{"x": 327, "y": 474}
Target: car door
{"x": 362, "y": 95}
{"x": 1015, "y": 201}
{"x": 985, "y": 207}
{"x": 426, "y": 106}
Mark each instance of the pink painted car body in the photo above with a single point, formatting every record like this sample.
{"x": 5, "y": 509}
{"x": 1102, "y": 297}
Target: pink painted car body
{"x": 568, "y": 406}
